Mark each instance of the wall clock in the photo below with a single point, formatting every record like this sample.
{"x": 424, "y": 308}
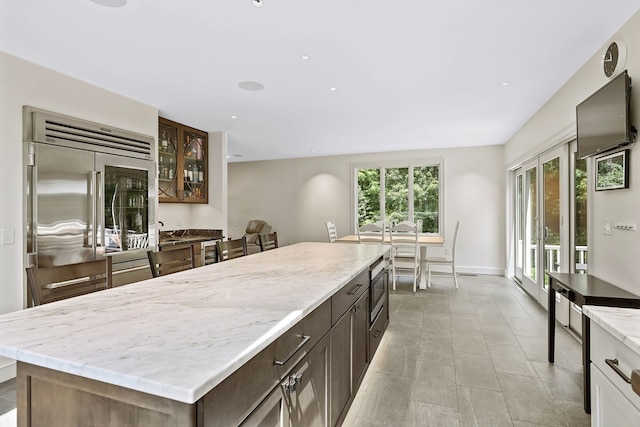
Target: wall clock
{"x": 614, "y": 58}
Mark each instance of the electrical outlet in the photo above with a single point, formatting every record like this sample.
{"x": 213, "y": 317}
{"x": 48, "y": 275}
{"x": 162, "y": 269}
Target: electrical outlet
{"x": 607, "y": 226}
{"x": 179, "y": 222}
{"x": 625, "y": 227}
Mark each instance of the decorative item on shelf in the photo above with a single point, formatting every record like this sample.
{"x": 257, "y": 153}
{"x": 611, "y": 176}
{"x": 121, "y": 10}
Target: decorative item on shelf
{"x": 164, "y": 143}
{"x": 195, "y": 173}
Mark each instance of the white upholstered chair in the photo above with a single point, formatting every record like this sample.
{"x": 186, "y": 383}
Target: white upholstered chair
{"x": 372, "y": 233}
{"x": 331, "y": 231}
{"x": 447, "y": 259}
{"x": 405, "y": 253}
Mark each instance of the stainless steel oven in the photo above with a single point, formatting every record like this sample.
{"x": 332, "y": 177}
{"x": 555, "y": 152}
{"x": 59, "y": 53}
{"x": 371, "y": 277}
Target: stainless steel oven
{"x": 378, "y": 288}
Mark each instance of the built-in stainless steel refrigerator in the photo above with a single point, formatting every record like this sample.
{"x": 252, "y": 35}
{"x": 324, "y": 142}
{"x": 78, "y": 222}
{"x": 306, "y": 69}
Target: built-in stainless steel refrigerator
{"x": 90, "y": 191}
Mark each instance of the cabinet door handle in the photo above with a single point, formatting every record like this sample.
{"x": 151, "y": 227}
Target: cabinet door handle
{"x": 292, "y": 383}
{"x": 354, "y": 290}
{"x": 305, "y": 338}
{"x": 378, "y": 333}
{"x": 613, "y": 363}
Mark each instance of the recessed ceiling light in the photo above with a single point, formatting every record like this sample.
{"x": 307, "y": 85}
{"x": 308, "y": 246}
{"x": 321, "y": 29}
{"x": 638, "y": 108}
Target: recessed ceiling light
{"x": 305, "y": 57}
{"x": 249, "y": 85}
{"x": 234, "y": 117}
{"x": 506, "y": 83}
{"x": 257, "y": 3}
{"x": 333, "y": 89}
{"x": 110, "y": 3}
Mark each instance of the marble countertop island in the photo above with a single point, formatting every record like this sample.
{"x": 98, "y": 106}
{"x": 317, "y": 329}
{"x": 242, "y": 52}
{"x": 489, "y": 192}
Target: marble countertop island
{"x": 622, "y": 323}
{"x": 178, "y": 336}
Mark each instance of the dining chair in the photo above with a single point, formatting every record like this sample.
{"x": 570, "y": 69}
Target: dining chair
{"x": 171, "y": 260}
{"x": 268, "y": 241}
{"x": 447, "y": 259}
{"x": 331, "y": 231}
{"x": 49, "y": 284}
{"x": 230, "y": 249}
{"x": 372, "y": 232}
{"x": 405, "y": 250}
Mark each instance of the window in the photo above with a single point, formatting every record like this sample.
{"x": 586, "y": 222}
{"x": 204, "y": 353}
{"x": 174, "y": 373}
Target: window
{"x": 400, "y": 193}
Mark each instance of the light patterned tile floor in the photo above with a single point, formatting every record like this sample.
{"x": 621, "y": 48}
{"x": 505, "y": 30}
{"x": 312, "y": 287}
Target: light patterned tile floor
{"x": 479, "y": 359}
{"x": 475, "y": 356}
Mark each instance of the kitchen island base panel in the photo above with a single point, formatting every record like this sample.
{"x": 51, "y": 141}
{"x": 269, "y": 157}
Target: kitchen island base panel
{"x": 69, "y": 400}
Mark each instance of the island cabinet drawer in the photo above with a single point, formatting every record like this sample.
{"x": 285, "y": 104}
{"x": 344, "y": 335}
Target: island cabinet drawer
{"x": 348, "y": 294}
{"x": 377, "y": 330}
{"x": 615, "y": 360}
{"x": 230, "y": 402}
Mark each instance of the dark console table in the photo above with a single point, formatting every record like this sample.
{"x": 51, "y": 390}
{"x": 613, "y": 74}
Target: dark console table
{"x": 584, "y": 289}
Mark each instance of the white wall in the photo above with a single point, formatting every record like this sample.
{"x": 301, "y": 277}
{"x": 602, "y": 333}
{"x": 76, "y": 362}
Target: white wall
{"x": 296, "y": 196}
{"x": 612, "y": 258}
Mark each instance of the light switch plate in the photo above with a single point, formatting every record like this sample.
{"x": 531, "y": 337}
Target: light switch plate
{"x": 607, "y": 226}
{"x": 7, "y": 236}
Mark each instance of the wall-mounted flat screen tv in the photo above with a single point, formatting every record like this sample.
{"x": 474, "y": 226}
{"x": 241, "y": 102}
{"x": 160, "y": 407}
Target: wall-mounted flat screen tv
{"x": 603, "y": 118}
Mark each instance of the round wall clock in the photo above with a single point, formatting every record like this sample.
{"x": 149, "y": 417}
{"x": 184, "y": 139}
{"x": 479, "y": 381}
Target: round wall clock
{"x": 614, "y": 58}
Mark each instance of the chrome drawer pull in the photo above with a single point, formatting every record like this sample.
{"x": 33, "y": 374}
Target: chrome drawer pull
{"x": 353, "y": 292}
{"x": 613, "y": 363}
{"x": 305, "y": 338}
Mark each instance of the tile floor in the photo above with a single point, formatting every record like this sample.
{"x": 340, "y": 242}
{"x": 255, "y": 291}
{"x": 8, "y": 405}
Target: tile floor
{"x": 475, "y": 356}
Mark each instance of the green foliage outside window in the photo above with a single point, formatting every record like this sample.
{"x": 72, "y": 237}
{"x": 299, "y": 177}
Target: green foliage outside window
{"x": 397, "y": 200}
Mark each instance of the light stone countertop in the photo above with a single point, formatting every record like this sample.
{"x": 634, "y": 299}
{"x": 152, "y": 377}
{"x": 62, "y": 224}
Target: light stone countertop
{"x": 622, "y": 323}
{"x": 180, "y": 335}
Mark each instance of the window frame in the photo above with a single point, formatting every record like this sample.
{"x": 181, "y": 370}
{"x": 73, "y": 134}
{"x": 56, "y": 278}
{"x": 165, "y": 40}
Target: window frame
{"x": 411, "y": 164}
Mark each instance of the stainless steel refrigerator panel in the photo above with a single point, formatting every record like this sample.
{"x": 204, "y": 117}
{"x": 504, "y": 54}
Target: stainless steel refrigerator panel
{"x": 62, "y": 205}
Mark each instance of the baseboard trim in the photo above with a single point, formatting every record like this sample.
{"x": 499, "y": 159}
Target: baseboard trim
{"x": 441, "y": 269}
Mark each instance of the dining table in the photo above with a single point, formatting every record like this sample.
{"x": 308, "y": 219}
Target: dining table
{"x": 423, "y": 242}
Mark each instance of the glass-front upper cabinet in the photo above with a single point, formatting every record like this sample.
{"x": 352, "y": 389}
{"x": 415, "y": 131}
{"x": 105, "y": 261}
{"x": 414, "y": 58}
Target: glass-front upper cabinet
{"x": 182, "y": 163}
{"x": 194, "y": 166}
{"x": 167, "y": 162}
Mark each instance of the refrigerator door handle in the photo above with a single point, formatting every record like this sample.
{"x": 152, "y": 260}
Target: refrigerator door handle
{"x": 90, "y": 234}
{"x": 99, "y": 212}
{"x": 32, "y": 213}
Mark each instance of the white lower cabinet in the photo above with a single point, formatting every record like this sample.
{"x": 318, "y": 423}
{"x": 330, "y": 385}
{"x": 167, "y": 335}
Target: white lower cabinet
{"x": 613, "y": 402}
{"x": 609, "y": 406}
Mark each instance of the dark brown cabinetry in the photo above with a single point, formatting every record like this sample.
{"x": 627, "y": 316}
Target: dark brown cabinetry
{"x": 349, "y": 346}
{"x": 182, "y": 163}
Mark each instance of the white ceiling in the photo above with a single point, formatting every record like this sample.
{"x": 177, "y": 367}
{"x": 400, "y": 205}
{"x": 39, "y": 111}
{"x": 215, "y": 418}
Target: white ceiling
{"x": 408, "y": 74}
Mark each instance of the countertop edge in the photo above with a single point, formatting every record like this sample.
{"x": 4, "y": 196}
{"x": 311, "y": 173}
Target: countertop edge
{"x": 621, "y": 323}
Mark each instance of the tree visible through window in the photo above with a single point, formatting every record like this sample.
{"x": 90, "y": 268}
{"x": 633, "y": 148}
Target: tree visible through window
{"x": 396, "y": 194}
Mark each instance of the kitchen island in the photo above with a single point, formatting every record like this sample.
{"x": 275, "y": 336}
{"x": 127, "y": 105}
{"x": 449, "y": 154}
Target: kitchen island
{"x": 168, "y": 350}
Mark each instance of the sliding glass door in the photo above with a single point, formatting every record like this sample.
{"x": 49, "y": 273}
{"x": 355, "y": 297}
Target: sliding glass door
{"x": 539, "y": 238}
